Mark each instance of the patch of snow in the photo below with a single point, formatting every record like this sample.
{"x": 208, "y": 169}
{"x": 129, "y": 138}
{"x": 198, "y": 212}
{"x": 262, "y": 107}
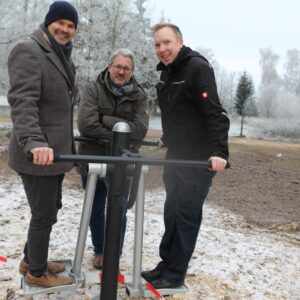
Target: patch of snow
{"x": 235, "y": 126}
{"x": 231, "y": 257}
{"x": 3, "y": 101}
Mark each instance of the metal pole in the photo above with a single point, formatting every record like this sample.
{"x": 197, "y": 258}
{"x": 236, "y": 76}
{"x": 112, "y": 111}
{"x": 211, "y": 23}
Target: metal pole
{"x": 114, "y": 217}
{"x": 138, "y": 235}
{"x": 95, "y": 170}
{"x": 135, "y": 160}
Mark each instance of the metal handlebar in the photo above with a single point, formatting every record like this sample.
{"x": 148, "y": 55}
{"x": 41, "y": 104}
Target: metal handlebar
{"x": 133, "y": 160}
{"x": 129, "y": 160}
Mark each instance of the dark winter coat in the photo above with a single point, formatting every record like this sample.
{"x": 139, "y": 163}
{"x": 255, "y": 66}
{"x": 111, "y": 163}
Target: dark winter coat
{"x": 99, "y": 110}
{"x": 41, "y": 99}
{"x": 195, "y": 126}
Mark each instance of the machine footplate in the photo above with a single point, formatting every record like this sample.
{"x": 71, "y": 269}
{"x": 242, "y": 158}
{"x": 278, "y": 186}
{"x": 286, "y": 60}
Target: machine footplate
{"x": 34, "y": 290}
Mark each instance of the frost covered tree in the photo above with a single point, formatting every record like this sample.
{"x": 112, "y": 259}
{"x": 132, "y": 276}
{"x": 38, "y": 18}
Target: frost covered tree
{"x": 140, "y": 40}
{"x": 225, "y": 80}
{"x": 91, "y": 50}
{"x": 209, "y": 55}
{"x": 106, "y": 25}
{"x": 243, "y": 97}
{"x": 278, "y": 100}
{"x": 17, "y": 20}
{"x": 292, "y": 72}
{"x": 270, "y": 83}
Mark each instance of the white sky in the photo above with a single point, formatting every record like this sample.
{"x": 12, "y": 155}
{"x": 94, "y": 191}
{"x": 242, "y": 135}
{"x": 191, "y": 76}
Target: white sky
{"x": 235, "y": 30}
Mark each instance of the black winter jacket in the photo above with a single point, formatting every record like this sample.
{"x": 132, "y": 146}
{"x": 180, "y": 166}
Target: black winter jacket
{"x": 195, "y": 126}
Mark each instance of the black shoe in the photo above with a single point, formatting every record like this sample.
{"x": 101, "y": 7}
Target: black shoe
{"x": 162, "y": 283}
{"x": 151, "y": 275}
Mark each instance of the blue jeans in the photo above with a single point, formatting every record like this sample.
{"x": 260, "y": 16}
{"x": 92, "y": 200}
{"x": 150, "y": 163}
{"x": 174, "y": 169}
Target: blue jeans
{"x": 97, "y": 221}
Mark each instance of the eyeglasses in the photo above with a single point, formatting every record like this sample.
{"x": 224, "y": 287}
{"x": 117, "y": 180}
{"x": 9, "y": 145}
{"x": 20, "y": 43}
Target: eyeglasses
{"x": 120, "y": 68}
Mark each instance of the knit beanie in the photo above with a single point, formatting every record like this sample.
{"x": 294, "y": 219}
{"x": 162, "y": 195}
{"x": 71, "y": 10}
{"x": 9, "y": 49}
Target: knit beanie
{"x": 61, "y": 10}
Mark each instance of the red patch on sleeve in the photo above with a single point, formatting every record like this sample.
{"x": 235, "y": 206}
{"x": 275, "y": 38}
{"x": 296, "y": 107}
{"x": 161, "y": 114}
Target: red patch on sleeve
{"x": 204, "y": 95}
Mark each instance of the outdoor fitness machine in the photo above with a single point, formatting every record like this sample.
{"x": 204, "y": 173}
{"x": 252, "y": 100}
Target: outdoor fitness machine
{"x": 121, "y": 164}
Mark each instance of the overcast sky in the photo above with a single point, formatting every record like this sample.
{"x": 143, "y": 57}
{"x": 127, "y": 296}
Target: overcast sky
{"x": 235, "y": 30}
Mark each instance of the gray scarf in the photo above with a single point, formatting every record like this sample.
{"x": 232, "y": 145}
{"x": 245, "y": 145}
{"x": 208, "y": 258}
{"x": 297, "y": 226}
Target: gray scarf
{"x": 119, "y": 91}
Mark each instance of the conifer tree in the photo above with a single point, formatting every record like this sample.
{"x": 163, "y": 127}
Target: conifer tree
{"x": 243, "y": 97}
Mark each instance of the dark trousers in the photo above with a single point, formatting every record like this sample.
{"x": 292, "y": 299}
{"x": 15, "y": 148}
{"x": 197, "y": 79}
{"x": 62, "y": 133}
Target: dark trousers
{"x": 186, "y": 190}
{"x": 97, "y": 221}
{"x": 44, "y": 194}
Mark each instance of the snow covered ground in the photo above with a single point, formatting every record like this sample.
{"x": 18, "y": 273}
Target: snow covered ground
{"x": 232, "y": 260}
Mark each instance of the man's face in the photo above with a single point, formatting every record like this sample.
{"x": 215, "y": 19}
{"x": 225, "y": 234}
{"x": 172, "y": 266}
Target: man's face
{"x": 120, "y": 70}
{"x": 62, "y": 31}
{"x": 167, "y": 45}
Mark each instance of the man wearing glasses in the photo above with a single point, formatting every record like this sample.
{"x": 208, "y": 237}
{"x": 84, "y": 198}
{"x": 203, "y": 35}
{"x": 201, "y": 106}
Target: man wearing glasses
{"x": 114, "y": 97}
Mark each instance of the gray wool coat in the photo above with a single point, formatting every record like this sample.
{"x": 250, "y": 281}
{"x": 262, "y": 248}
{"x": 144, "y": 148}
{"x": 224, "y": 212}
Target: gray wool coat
{"x": 41, "y": 99}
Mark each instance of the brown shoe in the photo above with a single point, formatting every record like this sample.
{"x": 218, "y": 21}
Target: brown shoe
{"x": 52, "y": 266}
{"x": 47, "y": 280}
{"x": 97, "y": 261}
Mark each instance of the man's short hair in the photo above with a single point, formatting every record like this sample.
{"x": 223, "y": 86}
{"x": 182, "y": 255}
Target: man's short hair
{"x": 174, "y": 27}
{"x": 123, "y": 52}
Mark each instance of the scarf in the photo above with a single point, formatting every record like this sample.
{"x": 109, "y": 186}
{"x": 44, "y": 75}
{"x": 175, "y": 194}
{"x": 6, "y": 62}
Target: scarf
{"x": 119, "y": 91}
{"x": 64, "y": 54}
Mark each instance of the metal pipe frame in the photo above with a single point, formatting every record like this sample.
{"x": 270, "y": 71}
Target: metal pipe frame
{"x": 135, "y": 288}
{"x": 95, "y": 171}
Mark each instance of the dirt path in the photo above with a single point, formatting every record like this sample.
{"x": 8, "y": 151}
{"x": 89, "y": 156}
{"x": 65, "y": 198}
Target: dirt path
{"x": 263, "y": 183}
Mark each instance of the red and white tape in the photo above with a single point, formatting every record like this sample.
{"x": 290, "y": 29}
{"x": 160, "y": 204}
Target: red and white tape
{"x": 3, "y": 259}
{"x": 154, "y": 291}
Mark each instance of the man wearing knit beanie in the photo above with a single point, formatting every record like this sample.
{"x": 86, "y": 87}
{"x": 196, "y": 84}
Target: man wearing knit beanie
{"x": 41, "y": 95}
{"x": 61, "y": 10}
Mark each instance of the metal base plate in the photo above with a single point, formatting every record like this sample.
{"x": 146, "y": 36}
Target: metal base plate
{"x": 34, "y": 290}
{"x": 98, "y": 297}
{"x": 142, "y": 291}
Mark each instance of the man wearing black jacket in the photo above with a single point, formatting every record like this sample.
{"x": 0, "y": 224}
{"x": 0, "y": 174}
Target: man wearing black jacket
{"x": 195, "y": 126}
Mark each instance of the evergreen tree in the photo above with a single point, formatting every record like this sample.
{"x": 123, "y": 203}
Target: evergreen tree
{"x": 244, "y": 95}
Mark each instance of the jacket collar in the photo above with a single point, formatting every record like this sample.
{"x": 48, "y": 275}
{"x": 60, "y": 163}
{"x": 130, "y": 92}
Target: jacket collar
{"x": 172, "y": 67}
